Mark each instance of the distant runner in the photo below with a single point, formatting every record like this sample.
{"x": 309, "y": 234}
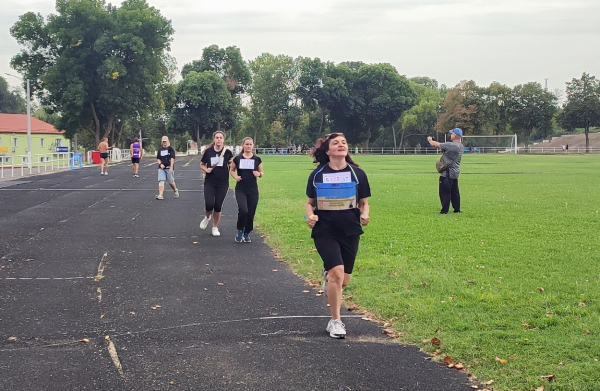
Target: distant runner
{"x": 166, "y": 162}
{"x": 337, "y": 206}
{"x": 135, "y": 151}
{"x": 245, "y": 168}
{"x": 104, "y": 148}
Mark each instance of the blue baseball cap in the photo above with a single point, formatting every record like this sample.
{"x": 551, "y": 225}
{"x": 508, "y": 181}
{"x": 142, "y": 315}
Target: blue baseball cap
{"x": 456, "y": 131}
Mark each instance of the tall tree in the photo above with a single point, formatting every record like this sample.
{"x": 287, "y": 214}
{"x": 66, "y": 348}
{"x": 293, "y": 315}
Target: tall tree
{"x": 462, "y": 108}
{"x": 10, "y": 101}
{"x": 204, "y": 101}
{"x": 421, "y": 118}
{"x": 93, "y": 62}
{"x": 227, "y": 62}
{"x": 532, "y": 109}
{"x": 274, "y": 82}
{"x": 582, "y": 108}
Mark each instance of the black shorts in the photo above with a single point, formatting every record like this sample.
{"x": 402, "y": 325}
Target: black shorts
{"x": 338, "y": 251}
{"x": 103, "y": 155}
{"x": 135, "y": 160}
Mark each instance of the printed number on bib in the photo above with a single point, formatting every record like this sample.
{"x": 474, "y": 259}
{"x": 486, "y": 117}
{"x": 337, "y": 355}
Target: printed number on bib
{"x": 247, "y": 164}
{"x": 336, "y": 196}
{"x": 216, "y": 161}
{"x": 164, "y": 152}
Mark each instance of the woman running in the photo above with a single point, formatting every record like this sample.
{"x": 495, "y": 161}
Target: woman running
{"x": 135, "y": 151}
{"x": 245, "y": 168}
{"x": 337, "y": 206}
{"x": 215, "y": 163}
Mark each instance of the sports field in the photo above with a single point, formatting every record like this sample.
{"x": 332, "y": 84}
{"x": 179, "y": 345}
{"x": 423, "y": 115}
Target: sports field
{"x": 512, "y": 285}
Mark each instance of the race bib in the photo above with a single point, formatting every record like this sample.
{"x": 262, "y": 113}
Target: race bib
{"x": 336, "y": 196}
{"x": 247, "y": 164}
{"x": 164, "y": 152}
{"x": 216, "y": 161}
{"x": 342, "y": 177}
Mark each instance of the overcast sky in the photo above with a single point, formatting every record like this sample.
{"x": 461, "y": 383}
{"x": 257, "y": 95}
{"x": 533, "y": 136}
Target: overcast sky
{"x": 509, "y": 41}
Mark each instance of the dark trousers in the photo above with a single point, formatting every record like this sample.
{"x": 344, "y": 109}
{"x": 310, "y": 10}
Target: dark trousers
{"x": 214, "y": 197}
{"x": 247, "y": 202}
{"x": 449, "y": 193}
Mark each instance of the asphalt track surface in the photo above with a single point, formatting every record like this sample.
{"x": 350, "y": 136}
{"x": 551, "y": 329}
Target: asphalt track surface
{"x": 102, "y": 287}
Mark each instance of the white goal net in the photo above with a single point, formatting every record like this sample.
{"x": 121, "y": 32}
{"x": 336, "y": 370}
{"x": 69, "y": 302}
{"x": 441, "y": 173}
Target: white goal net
{"x": 490, "y": 144}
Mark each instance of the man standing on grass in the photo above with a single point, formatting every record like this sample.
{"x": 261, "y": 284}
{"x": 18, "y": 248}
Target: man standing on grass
{"x": 451, "y": 153}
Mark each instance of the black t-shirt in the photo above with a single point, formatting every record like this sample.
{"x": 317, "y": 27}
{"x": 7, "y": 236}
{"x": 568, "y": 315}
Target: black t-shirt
{"x": 165, "y": 154}
{"x": 220, "y": 163}
{"x": 338, "y": 223}
{"x": 244, "y": 169}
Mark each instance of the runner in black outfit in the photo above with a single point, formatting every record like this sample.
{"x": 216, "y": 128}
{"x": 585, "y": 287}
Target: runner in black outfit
{"x": 337, "y": 206}
{"x": 245, "y": 168}
{"x": 215, "y": 163}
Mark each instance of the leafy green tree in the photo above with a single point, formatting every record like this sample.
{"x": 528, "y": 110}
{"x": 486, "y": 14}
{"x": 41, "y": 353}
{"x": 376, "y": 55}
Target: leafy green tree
{"x": 531, "y": 109}
{"x": 274, "y": 82}
{"x": 384, "y": 96}
{"x": 463, "y": 108}
{"x": 227, "y": 62}
{"x": 204, "y": 101}
{"x": 496, "y": 99}
{"x": 422, "y": 117}
{"x": 582, "y": 108}
{"x": 10, "y": 101}
{"x": 94, "y": 63}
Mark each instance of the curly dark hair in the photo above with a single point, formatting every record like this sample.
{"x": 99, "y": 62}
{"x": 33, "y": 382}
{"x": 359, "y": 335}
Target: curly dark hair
{"x": 319, "y": 151}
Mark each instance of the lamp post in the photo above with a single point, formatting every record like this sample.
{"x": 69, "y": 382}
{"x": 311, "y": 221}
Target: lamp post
{"x": 29, "y": 158}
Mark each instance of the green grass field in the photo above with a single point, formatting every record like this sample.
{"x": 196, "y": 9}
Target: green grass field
{"x": 515, "y": 277}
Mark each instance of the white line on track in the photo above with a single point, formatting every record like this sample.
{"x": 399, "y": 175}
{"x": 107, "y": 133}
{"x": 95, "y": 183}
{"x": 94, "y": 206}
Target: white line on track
{"x": 44, "y": 278}
{"x": 217, "y": 322}
{"x": 145, "y": 190}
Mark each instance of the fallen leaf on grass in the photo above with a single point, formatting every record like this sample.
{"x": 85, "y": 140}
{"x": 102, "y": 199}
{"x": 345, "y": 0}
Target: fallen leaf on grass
{"x": 539, "y": 288}
{"x": 548, "y": 377}
{"x": 448, "y": 360}
{"x": 459, "y": 366}
{"x": 471, "y": 281}
{"x": 526, "y": 325}
{"x": 437, "y": 353}
{"x": 582, "y": 304}
{"x": 488, "y": 383}
{"x": 502, "y": 360}
{"x": 586, "y": 332}
{"x": 435, "y": 341}
{"x": 541, "y": 388}
{"x": 437, "y": 330}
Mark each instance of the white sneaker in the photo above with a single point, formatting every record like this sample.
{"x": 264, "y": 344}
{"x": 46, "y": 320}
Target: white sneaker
{"x": 204, "y": 223}
{"x": 336, "y": 329}
{"x": 159, "y": 197}
{"x": 176, "y": 193}
{"x": 215, "y": 231}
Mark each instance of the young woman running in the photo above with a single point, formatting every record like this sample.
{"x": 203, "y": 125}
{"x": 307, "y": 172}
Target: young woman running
{"x": 245, "y": 168}
{"x": 215, "y": 163}
{"x": 135, "y": 151}
{"x": 337, "y": 206}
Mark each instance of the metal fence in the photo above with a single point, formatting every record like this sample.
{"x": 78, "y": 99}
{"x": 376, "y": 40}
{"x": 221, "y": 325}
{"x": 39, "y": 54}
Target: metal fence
{"x": 18, "y": 164}
{"x": 433, "y": 151}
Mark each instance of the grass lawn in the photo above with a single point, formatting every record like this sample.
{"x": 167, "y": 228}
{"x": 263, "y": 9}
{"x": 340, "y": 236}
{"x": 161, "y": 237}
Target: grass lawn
{"x": 515, "y": 277}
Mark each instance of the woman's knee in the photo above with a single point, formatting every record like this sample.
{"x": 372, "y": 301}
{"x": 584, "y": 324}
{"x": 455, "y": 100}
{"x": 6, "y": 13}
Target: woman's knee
{"x": 336, "y": 275}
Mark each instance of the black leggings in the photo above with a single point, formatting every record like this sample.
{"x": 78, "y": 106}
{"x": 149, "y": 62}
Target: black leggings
{"x": 214, "y": 197}
{"x": 247, "y": 202}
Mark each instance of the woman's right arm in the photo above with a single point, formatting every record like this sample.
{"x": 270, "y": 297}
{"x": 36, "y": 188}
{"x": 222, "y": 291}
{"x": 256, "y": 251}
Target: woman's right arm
{"x": 232, "y": 171}
{"x": 311, "y": 217}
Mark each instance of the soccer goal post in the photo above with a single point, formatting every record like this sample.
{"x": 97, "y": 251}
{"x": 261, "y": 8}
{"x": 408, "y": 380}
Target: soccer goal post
{"x": 506, "y": 143}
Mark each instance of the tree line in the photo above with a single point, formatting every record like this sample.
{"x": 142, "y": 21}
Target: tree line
{"x": 104, "y": 71}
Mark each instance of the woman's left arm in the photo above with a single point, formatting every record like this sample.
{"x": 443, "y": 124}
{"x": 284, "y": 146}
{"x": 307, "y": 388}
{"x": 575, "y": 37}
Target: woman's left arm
{"x": 363, "y": 206}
